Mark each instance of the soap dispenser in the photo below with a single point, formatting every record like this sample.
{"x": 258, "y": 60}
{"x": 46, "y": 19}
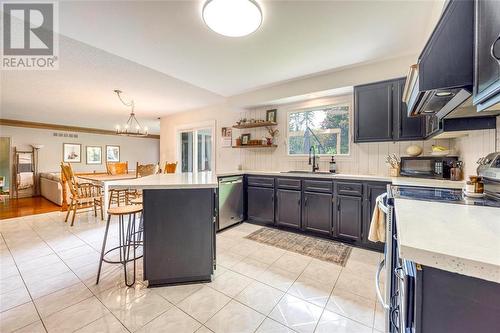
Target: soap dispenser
{"x": 333, "y": 165}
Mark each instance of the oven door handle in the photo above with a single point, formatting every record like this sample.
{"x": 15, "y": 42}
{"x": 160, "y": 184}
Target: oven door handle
{"x": 377, "y": 284}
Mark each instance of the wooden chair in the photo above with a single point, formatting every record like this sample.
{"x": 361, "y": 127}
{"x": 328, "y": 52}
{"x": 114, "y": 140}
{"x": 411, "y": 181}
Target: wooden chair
{"x": 143, "y": 170}
{"x": 117, "y": 168}
{"x": 170, "y": 167}
{"x": 83, "y": 195}
{"x": 117, "y": 196}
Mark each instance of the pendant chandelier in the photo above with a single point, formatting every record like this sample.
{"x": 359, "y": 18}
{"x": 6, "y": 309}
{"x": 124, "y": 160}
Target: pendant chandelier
{"x": 132, "y": 127}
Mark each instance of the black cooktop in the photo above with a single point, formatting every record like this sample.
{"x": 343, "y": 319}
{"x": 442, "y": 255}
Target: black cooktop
{"x": 441, "y": 195}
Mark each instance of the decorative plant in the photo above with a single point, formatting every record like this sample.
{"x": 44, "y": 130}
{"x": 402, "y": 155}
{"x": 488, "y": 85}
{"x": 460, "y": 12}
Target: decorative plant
{"x": 273, "y": 132}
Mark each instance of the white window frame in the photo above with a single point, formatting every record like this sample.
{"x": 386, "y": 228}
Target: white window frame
{"x": 195, "y": 127}
{"x": 319, "y": 107}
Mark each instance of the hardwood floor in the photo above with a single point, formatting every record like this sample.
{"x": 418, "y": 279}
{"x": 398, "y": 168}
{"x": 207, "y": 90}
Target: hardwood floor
{"x": 26, "y": 206}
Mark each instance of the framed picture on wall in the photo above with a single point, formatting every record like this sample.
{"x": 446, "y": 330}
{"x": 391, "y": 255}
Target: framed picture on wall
{"x": 112, "y": 153}
{"x": 94, "y": 155}
{"x": 72, "y": 152}
{"x": 271, "y": 115}
{"x": 245, "y": 139}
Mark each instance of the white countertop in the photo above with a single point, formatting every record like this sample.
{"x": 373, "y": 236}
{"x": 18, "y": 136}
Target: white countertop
{"x": 167, "y": 181}
{"x": 305, "y": 174}
{"x": 409, "y": 181}
{"x": 464, "y": 239}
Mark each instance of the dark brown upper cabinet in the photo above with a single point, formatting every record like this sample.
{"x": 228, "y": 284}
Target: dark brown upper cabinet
{"x": 487, "y": 55}
{"x": 380, "y": 115}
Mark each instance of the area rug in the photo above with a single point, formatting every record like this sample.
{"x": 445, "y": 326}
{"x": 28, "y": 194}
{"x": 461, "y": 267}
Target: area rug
{"x": 322, "y": 249}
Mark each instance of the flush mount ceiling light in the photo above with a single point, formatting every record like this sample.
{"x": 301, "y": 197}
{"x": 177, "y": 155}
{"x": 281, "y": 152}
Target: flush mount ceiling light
{"x": 232, "y": 18}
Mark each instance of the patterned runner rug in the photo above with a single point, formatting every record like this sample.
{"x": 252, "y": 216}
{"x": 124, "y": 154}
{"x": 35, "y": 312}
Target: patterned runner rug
{"x": 322, "y": 249}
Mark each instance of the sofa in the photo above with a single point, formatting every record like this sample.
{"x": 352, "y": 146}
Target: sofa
{"x": 51, "y": 187}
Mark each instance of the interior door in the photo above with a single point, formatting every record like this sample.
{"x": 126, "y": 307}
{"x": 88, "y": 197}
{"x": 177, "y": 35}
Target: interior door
{"x": 196, "y": 149}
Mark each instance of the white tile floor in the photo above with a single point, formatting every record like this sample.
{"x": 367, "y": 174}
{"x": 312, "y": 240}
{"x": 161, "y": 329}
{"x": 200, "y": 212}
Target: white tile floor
{"x": 47, "y": 284}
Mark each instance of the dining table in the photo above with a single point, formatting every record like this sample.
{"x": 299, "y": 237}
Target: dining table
{"x": 104, "y": 179}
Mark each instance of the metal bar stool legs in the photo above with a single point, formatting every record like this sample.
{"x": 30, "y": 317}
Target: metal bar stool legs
{"x": 129, "y": 240}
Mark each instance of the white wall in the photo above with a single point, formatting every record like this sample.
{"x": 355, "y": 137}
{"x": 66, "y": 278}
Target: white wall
{"x": 477, "y": 144}
{"x": 131, "y": 149}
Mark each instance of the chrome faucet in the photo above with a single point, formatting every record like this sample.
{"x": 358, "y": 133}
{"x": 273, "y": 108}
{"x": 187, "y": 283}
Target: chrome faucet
{"x": 314, "y": 161}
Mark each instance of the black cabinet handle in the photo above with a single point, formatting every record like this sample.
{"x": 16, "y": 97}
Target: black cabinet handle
{"x": 493, "y": 51}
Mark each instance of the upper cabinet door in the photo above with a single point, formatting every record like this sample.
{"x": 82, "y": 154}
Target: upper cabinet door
{"x": 373, "y": 108}
{"x": 405, "y": 128}
{"x": 487, "y": 54}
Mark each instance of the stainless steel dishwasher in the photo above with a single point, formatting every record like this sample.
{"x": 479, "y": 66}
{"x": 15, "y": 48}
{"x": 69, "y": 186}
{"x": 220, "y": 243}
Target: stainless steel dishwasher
{"x": 230, "y": 201}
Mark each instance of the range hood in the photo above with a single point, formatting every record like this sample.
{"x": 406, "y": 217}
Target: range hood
{"x": 442, "y": 80}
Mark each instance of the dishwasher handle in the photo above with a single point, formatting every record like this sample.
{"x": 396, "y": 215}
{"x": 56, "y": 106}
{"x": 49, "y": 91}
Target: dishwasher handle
{"x": 231, "y": 182}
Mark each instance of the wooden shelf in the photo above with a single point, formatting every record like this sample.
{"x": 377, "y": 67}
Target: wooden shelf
{"x": 253, "y": 125}
{"x": 256, "y": 146}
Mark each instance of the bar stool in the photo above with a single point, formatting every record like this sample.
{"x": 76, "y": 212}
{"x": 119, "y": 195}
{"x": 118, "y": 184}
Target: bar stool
{"x": 129, "y": 239}
{"x": 138, "y": 201}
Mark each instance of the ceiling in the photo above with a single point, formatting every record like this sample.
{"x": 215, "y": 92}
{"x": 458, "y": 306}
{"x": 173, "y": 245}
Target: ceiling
{"x": 162, "y": 54}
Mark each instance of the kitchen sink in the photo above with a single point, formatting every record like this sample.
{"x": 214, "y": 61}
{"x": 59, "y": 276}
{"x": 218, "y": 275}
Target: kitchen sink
{"x": 309, "y": 172}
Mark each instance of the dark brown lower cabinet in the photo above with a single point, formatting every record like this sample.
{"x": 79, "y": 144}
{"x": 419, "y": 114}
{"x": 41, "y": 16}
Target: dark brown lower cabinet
{"x": 348, "y": 217}
{"x": 317, "y": 212}
{"x": 288, "y": 208}
{"x": 260, "y": 204}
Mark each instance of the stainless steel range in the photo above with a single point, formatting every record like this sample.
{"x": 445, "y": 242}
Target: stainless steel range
{"x": 398, "y": 297}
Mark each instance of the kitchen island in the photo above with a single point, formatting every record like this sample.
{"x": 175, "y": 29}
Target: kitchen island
{"x": 179, "y": 230}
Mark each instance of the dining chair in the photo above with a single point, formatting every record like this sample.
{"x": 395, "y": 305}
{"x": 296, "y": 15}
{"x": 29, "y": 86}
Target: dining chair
{"x": 117, "y": 196}
{"x": 83, "y": 195}
{"x": 170, "y": 167}
{"x": 143, "y": 170}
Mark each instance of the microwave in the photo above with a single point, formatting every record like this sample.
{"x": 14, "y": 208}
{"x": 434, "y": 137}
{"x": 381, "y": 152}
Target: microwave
{"x": 427, "y": 166}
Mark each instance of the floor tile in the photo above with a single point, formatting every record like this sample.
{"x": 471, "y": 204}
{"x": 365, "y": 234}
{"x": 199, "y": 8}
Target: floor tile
{"x": 142, "y": 310}
{"x": 76, "y": 252}
{"x": 361, "y": 269}
{"x": 172, "y": 321}
{"x": 14, "y": 298}
{"x": 230, "y": 283}
{"x": 379, "y": 322}
{"x": 235, "y": 318}
{"x": 42, "y": 287}
{"x": 267, "y": 254}
{"x": 18, "y": 317}
{"x": 11, "y": 283}
{"x": 228, "y": 260}
{"x": 245, "y": 248}
{"x": 36, "y": 327}
{"x": 332, "y": 322}
{"x": 352, "y": 306}
{"x": 313, "y": 291}
{"x": 176, "y": 294}
{"x": 250, "y": 267}
{"x": 278, "y": 278}
{"x": 203, "y": 329}
{"x": 292, "y": 262}
{"x": 204, "y": 303}
{"x": 116, "y": 298}
{"x": 106, "y": 324}
{"x": 322, "y": 271}
{"x": 272, "y": 326}
{"x": 365, "y": 256}
{"x": 62, "y": 299}
{"x": 356, "y": 285}
{"x": 260, "y": 297}
{"x": 297, "y": 314}
{"x": 75, "y": 316}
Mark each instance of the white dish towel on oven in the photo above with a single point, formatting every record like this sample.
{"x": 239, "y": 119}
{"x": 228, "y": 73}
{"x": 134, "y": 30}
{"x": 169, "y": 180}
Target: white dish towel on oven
{"x": 377, "y": 225}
